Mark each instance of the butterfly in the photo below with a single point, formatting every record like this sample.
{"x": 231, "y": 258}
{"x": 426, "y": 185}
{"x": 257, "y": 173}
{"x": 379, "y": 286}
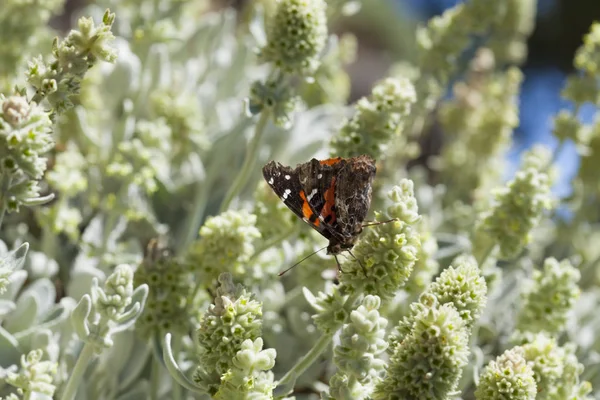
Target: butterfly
{"x": 333, "y": 196}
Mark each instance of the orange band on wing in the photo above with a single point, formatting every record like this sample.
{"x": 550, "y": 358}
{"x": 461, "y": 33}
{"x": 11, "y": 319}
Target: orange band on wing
{"x": 328, "y": 212}
{"x": 307, "y": 211}
{"x": 330, "y": 161}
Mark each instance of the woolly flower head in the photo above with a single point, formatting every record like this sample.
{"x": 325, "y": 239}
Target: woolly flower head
{"x": 386, "y": 253}
{"x": 35, "y": 377}
{"x": 508, "y": 377}
{"x": 24, "y": 137}
{"x": 233, "y": 318}
{"x": 549, "y": 297}
{"x": 247, "y": 378}
{"x": 460, "y": 285}
{"x": 517, "y": 209}
{"x": 296, "y": 36}
{"x": 428, "y": 363}
{"x": 379, "y": 119}
{"x": 361, "y": 343}
{"x": 225, "y": 244}
{"x": 117, "y": 292}
{"x": 169, "y": 307}
{"x": 329, "y": 306}
{"x": 555, "y": 368}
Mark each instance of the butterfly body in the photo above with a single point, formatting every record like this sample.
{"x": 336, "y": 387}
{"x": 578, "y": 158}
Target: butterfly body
{"x": 333, "y": 196}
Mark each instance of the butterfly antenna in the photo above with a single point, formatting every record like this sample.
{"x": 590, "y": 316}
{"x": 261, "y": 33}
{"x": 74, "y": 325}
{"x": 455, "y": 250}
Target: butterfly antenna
{"x": 359, "y": 263}
{"x": 310, "y": 255}
{"x": 380, "y": 222}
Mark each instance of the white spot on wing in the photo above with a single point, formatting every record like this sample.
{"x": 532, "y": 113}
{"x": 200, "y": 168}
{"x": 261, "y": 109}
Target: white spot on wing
{"x": 319, "y": 176}
{"x": 311, "y": 195}
{"x": 271, "y": 181}
{"x": 286, "y": 193}
{"x": 287, "y": 177}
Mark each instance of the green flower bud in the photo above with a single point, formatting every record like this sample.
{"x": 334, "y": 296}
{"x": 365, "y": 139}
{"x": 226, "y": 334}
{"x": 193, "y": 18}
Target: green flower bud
{"x": 233, "y": 318}
{"x": 555, "y": 368}
{"x": 170, "y": 306}
{"x": 509, "y": 377}
{"x": 35, "y": 377}
{"x": 516, "y": 211}
{"x": 386, "y": 253}
{"x": 378, "y": 119}
{"x": 329, "y": 306}
{"x": 549, "y": 298}
{"x": 24, "y": 137}
{"x": 567, "y": 126}
{"x": 246, "y": 379}
{"x": 225, "y": 244}
{"x": 581, "y": 89}
{"x": 357, "y": 356}
{"x": 296, "y": 36}
{"x": 276, "y": 96}
{"x": 428, "y": 363}
{"x": 587, "y": 57}
{"x": 460, "y": 285}
{"x": 117, "y": 293}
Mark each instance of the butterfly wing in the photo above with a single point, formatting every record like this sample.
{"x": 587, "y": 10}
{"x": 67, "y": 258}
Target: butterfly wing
{"x": 319, "y": 180}
{"x": 286, "y": 184}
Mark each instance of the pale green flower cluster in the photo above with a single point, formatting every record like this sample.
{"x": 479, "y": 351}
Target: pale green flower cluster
{"x": 25, "y": 138}
{"x": 510, "y": 376}
{"x": 296, "y": 36}
{"x": 516, "y": 210}
{"x": 378, "y": 119}
{"x": 555, "y": 369}
{"x": 387, "y": 252}
{"x": 58, "y": 80}
{"x": 479, "y": 121}
{"x": 549, "y": 298}
{"x": 170, "y": 306}
{"x": 35, "y": 377}
{"x": 428, "y": 362}
{"x": 225, "y": 244}
{"x": 233, "y": 318}
{"x": 357, "y": 356}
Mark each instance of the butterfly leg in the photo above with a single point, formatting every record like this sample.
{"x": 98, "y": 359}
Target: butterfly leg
{"x": 338, "y": 263}
{"x": 359, "y": 263}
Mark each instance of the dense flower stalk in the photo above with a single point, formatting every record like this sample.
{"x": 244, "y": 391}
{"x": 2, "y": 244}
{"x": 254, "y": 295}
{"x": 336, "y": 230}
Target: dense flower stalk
{"x": 225, "y": 244}
{"x": 510, "y": 376}
{"x": 233, "y": 318}
{"x": 357, "y": 356}
{"x": 428, "y": 363}
{"x": 378, "y": 119}
{"x": 386, "y": 253}
{"x": 549, "y": 298}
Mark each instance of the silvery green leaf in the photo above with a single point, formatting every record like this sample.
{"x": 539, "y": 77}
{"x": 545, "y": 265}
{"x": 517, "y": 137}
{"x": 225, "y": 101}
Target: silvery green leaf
{"x": 3, "y": 247}
{"x": 136, "y": 358}
{"x": 16, "y": 258}
{"x": 16, "y": 281}
{"x": 122, "y": 77}
{"x": 38, "y": 396}
{"x": 24, "y": 315}
{"x": 138, "y": 392}
{"x": 36, "y": 201}
{"x": 6, "y": 307}
{"x": 10, "y": 352}
{"x": 40, "y": 266}
{"x": 257, "y": 26}
{"x": 44, "y": 292}
{"x": 81, "y": 281}
{"x": 58, "y": 314}
{"x": 80, "y": 315}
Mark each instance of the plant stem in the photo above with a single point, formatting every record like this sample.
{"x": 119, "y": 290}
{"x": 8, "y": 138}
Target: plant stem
{"x": 306, "y": 361}
{"x": 86, "y": 355}
{"x": 4, "y": 186}
{"x": 154, "y": 378}
{"x": 176, "y": 387}
{"x": 313, "y": 354}
{"x": 249, "y": 160}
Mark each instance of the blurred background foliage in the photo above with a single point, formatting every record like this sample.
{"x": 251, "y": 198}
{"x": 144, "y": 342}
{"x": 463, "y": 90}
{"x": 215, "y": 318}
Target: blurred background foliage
{"x": 385, "y": 31}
